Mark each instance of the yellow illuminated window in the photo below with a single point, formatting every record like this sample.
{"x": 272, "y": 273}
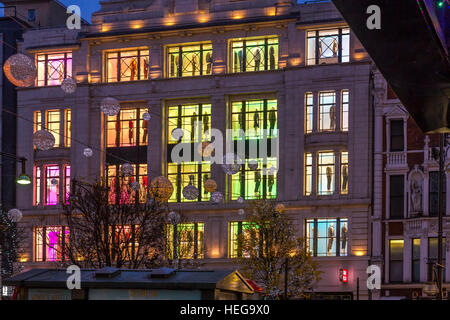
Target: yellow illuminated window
{"x": 254, "y": 55}
{"x": 53, "y": 125}
{"x": 196, "y": 60}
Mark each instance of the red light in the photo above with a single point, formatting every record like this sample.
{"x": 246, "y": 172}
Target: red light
{"x": 343, "y": 275}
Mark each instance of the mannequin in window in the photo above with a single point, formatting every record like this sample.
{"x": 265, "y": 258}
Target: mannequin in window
{"x": 145, "y": 69}
{"x": 332, "y": 117}
{"x": 205, "y": 177}
{"x": 193, "y": 121}
{"x": 208, "y": 63}
{"x": 194, "y": 64}
{"x": 172, "y": 65}
{"x": 118, "y": 125}
{"x": 205, "y": 122}
{"x": 61, "y": 71}
{"x": 334, "y": 48}
{"x": 236, "y": 61}
{"x": 329, "y": 177}
{"x": 257, "y": 59}
{"x": 344, "y": 178}
{"x": 241, "y": 184}
{"x": 133, "y": 68}
{"x": 330, "y": 237}
{"x": 344, "y": 239}
{"x": 271, "y": 182}
{"x": 241, "y": 119}
{"x": 241, "y": 60}
{"x": 256, "y": 120}
{"x": 257, "y": 181}
{"x": 272, "y": 58}
{"x": 130, "y": 130}
{"x": 145, "y": 129}
{"x": 272, "y": 119}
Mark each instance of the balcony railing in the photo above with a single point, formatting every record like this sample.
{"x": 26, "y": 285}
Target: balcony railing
{"x": 396, "y": 159}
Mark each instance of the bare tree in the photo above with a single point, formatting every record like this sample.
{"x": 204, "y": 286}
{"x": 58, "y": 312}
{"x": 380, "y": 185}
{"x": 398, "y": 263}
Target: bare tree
{"x": 269, "y": 251}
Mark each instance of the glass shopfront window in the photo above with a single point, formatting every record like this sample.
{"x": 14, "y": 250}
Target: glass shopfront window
{"x": 327, "y": 237}
{"x": 120, "y": 187}
{"x": 127, "y": 65}
{"x": 254, "y": 54}
{"x": 50, "y": 243}
{"x": 189, "y": 173}
{"x": 185, "y": 241}
{"x": 128, "y": 129}
{"x": 235, "y": 229}
{"x": 196, "y": 60}
{"x": 53, "y": 68}
{"x": 185, "y": 118}
{"x": 328, "y": 46}
{"x": 326, "y": 174}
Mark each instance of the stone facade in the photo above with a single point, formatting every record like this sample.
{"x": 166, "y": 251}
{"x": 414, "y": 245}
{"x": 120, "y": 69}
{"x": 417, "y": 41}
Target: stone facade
{"x": 156, "y": 26}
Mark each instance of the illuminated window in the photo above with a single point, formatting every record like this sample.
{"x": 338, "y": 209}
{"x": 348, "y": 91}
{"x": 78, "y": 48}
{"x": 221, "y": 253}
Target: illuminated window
{"x": 415, "y": 260}
{"x": 236, "y": 229}
{"x": 67, "y": 128}
{"x": 344, "y": 109}
{"x": 127, "y": 65}
{"x": 125, "y": 238}
{"x": 37, "y": 186}
{"x": 328, "y": 46}
{"x": 254, "y": 55}
{"x": 396, "y": 260}
{"x": 185, "y": 117}
{"x": 52, "y": 180}
{"x": 50, "y": 243}
{"x": 309, "y": 111}
{"x": 185, "y": 241}
{"x": 189, "y": 173}
{"x": 127, "y": 129}
{"x": 66, "y": 184}
{"x": 120, "y": 185}
{"x": 37, "y": 121}
{"x": 53, "y": 68}
{"x": 344, "y": 172}
{"x": 327, "y": 111}
{"x": 433, "y": 257}
{"x": 255, "y": 117}
{"x": 53, "y": 124}
{"x": 325, "y": 166}
{"x": 308, "y": 174}
{"x": 196, "y": 60}
{"x": 256, "y": 184}
{"x": 327, "y": 237}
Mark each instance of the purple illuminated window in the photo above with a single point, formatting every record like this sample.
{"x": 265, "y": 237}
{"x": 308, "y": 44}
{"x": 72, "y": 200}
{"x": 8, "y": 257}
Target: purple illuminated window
{"x": 67, "y": 184}
{"x": 51, "y": 243}
{"x": 54, "y": 68}
{"x": 52, "y": 177}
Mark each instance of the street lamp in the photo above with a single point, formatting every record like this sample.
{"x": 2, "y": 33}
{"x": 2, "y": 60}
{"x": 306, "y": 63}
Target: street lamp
{"x": 22, "y": 178}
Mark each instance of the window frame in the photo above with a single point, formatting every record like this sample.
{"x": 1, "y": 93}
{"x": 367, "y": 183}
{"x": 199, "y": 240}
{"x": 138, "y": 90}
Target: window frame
{"x": 401, "y": 194}
{"x": 46, "y": 60}
{"x": 265, "y": 60}
{"x": 338, "y": 236}
{"x": 317, "y": 59}
{"x": 391, "y": 260}
{"x": 40, "y": 254}
{"x": 119, "y": 65}
{"x": 178, "y": 73}
{"x": 173, "y": 238}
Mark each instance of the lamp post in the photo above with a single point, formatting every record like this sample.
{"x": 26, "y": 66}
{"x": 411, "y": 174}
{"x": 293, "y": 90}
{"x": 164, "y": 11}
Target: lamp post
{"x": 439, "y": 266}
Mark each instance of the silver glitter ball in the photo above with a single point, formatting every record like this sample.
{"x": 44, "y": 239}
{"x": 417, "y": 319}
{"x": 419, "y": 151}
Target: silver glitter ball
{"x": 146, "y": 116}
{"x": 240, "y": 200}
{"x": 241, "y": 212}
{"x": 54, "y": 182}
{"x": 217, "y": 197}
{"x": 231, "y": 164}
{"x": 88, "y": 152}
{"x": 135, "y": 186}
{"x": 190, "y": 192}
{"x": 253, "y": 164}
{"x": 173, "y": 217}
{"x": 69, "y": 85}
{"x": 127, "y": 170}
{"x": 110, "y": 106}
{"x": 15, "y": 215}
{"x": 43, "y": 140}
{"x": 20, "y": 70}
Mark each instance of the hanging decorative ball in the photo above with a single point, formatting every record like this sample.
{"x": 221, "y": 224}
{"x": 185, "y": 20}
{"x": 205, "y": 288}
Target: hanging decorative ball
{"x": 88, "y": 152}
{"x": 161, "y": 189}
{"x": 69, "y": 85}
{"x": 127, "y": 170}
{"x": 54, "y": 182}
{"x": 20, "y": 70}
{"x": 110, "y": 106}
{"x": 15, "y": 215}
{"x": 173, "y": 217}
{"x": 210, "y": 185}
{"x": 146, "y": 116}
{"x": 177, "y": 133}
{"x": 43, "y": 140}
{"x": 241, "y": 212}
{"x": 253, "y": 164}
{"x": 280, "y": 208}
{"x": 272, "y": 170}
{"x": 205, "y": 149}
{"x": 240, "y": 200}
{"x": 231, "y": 164}
{"x": 217, "y": 197}
{"x": 190, "y": 192}
{"x": 135, "y": 186}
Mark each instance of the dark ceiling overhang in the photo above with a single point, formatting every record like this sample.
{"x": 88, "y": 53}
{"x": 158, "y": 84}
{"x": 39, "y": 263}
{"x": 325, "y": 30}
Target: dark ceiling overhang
{"x": 410, "y": 55}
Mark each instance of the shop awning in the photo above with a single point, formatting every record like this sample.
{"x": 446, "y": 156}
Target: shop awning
{"x": 410, "y": 53}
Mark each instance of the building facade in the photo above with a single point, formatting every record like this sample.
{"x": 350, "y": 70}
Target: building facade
{"x": 296, "y": 70}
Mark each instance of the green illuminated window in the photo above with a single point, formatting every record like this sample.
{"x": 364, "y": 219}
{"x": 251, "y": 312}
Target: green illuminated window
{"x": 254, "y": 55}
{"x": 234, "y": 245}
{"x": 196, "y": 60}
{"x": 185, "y": 117}
{"x": 188, "y": 241}
{"x": 186, "y": 173}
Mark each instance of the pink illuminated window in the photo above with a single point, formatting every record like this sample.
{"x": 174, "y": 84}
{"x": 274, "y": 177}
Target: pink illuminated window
{"x": 51, "y": 243}
{"x": 54, "y": 68}
{"x": 52, "y": 179}
{"x": 37, "y": 186}
{"x": 66, "y": 184}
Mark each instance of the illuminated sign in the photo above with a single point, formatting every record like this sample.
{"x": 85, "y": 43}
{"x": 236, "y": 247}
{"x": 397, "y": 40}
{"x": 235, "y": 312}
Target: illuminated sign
{"x": 343, "y": 275}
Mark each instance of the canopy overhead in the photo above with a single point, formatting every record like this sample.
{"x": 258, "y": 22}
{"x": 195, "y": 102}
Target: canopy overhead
{"x": 409, "y": 51}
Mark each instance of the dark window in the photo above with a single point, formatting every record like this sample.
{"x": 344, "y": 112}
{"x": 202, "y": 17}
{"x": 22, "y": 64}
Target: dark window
{"x": 415, "y": 261}
{"x": 433, "y": 257}
{"x": 433, "y": 208}
{"x": 396, "y": 193}
{"x": 396, "y": 260}
{"x": 397, "y": 140}
{"x": 31, "y": 15}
